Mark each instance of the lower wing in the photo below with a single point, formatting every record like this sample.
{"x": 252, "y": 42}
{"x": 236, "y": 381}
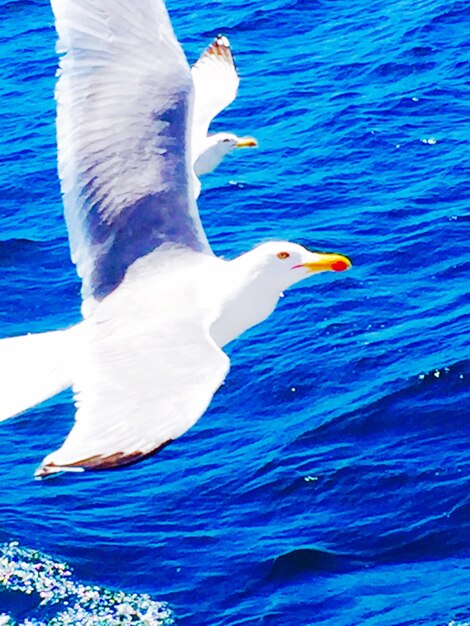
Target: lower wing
{"x": 146, "y": 373}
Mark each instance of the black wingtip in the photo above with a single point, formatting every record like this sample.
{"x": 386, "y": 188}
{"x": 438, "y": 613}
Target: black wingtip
{"x": 222, "y": 40}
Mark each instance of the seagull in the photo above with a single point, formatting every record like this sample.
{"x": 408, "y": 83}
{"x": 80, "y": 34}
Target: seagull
{"x": 216, "y": 81}
{"x": 158, "y": 305}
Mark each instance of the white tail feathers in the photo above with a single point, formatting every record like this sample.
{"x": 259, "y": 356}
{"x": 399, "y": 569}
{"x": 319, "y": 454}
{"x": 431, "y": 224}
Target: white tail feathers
{"x": 34, "y": 368}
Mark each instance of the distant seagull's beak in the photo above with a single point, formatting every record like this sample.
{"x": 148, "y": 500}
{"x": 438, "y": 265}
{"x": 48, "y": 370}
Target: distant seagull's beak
{"x": 247, "y": 142}
{"x": 326, "y": 262}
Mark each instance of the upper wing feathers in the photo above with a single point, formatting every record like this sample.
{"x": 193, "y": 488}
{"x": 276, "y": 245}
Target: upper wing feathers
{"x": 124, "y": 98}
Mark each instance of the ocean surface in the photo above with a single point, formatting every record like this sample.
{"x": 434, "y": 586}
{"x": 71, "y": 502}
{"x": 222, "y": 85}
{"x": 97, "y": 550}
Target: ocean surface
{"x": 329, "y": 481}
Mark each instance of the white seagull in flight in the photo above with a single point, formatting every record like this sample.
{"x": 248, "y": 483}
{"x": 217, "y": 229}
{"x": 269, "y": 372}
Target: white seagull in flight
{"x": 216, "y": 81}
{"x": 158, "y": 305}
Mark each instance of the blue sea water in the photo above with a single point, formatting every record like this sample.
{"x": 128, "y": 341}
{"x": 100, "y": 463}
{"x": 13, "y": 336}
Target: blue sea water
{"x": 328, "y": 483}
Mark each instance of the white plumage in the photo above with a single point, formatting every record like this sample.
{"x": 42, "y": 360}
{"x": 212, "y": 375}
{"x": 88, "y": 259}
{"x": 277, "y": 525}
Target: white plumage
{"x": 216, "y": 81}
{"x": 158, "y": 305}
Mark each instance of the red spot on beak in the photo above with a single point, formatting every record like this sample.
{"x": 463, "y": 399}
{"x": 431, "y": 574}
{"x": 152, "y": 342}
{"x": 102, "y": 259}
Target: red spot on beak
{"x": 339, "y": 266}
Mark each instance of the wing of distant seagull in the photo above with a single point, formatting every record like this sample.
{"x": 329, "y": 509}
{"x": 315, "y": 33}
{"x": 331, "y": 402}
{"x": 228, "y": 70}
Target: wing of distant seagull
{"x": 123, "y": 98}
{"x": 216, "y": 83}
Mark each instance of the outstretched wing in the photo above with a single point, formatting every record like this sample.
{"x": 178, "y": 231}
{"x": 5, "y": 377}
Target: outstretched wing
{"x": 147, "y": 371}
{"x": 216, "y": 83}
{"x": 124, "y": 98}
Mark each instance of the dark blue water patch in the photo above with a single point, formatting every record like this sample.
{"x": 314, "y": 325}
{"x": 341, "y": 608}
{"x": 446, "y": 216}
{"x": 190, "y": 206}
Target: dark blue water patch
{"x": 449, "y": 384}
{"x": 349, "y": 71}
{"x": 311, "y": 561}
{"x": 456, "y": 13}
{"x": 420, "y": 51}
{"x": 17, "y": 604}
{"x": 294, "y": 14}
{"x": 24, "y": 291}
{"x": 51, "y": 257}
{"x": 18, "y": 6}
{"x": 444, "y": 193}
{"x": 397, "y": 71}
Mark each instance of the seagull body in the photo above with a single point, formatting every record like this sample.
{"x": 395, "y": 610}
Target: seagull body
{"x": 216, "y": 81}
{"x": 158, "y": 305}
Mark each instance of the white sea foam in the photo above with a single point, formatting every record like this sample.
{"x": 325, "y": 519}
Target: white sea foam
{"x": 31, "y": 573}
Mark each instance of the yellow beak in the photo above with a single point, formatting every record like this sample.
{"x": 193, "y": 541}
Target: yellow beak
{"x": 247, "y": 142}
{"x": 328, "y": 262}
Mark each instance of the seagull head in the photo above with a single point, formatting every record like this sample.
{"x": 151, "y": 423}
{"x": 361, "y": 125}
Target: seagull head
{"x": 216, "y": 147}
{"x": 282, "y": 263}
{"x": 224, "y": 143}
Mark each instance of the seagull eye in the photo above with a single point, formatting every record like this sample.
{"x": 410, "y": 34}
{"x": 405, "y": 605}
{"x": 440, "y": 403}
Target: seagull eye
{"x": 283, "y": 255}
{"x": 226, "y": 140}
